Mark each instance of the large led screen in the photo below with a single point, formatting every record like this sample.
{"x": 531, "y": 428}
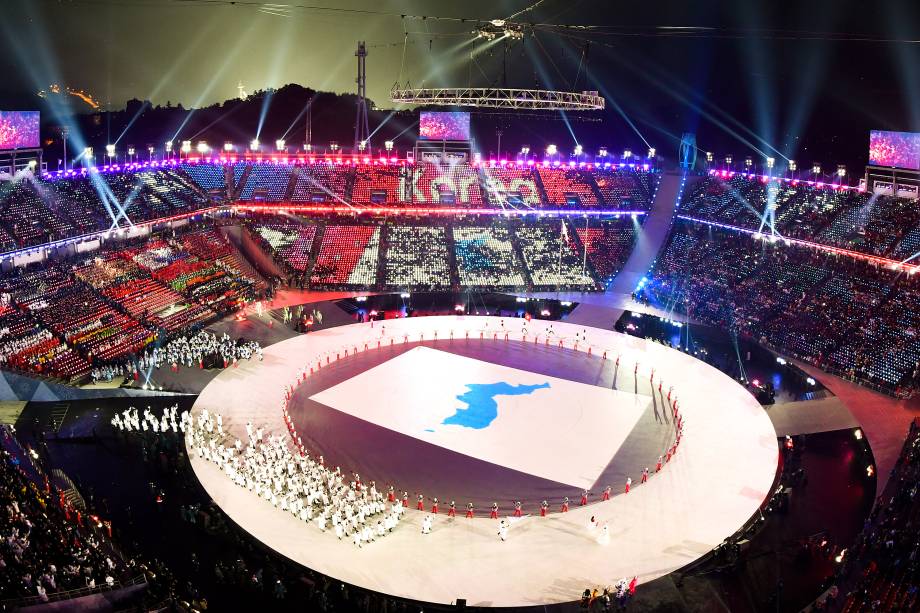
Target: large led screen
{"x": 444, "y": 126}
{"x": 894, "y": 149}
{"x": 19, "y": 130}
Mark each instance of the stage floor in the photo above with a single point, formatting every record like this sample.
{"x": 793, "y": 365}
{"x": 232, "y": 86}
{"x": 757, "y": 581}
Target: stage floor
{"x": 561, "y": 420}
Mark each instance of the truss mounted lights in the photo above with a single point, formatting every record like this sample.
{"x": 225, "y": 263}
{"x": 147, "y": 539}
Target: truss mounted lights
{"x": 362, "y": 145}
{"x": 307, "y": 147}
{"x": 279, "y": 144}
{"x": 186, "y": 146}
{"x": 110, "y": 150}
{"x": 551, "y": 150}
{"x": 203, "y": 147}
{"x": 749, "y": 162}
{"x": 816, "y": 169}
{"x": 728, "y": 160}
{"x": 525, "y": 150}
{"x": 841, "y": 170}
{"x": 500, "y": 98}
{"x": 602, "y": 152}
{"x": 651, "y": 153}
{"x": 228, "y": 146}
{"x": 578, "y": 150}
{"x": 792, "y": 166}
{"x": 627, "y": 154}
{"x": 388, "y": 145}
{"x": 254, "y": 144}
{"x": 334, "y": 146}
{"x": 131, "y": 150}
{"x": 771, "y": 162}
{"x": 169, "y": 146}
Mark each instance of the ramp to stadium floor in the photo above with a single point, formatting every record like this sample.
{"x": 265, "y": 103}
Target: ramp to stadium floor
{"x": 602, "y": 310}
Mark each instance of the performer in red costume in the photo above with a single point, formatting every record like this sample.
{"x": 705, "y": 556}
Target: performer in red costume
{"x": 517, "y": 508}
{"x": 606, "y": 495}
{"x": 628, "y": 483}
{"x": 469, "y": 510}
{"x": 584, "y": 498}
{"x": 544, "y": 507}
{"x": 493, "y": 514}
{"x": 452, "y": 509}
{"x": 565, "y": 505}
{"x": 420, "y": 505}
{"x": 434, "y": 506}
{"x": 645, "y": 475}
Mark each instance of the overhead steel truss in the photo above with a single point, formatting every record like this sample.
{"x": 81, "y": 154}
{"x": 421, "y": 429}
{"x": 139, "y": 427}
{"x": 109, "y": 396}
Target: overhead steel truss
{"x": 498, "y": 98}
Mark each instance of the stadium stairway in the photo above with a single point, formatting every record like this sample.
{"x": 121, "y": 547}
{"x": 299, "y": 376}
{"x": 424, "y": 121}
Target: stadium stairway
{"x": 652, "y": 235}
{"x": 604, "y": 309}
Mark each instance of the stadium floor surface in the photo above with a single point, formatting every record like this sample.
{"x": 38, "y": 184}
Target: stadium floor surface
{"x": 697, "y": 500}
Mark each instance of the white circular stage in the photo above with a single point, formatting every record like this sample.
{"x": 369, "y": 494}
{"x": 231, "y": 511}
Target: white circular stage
{"x": 722, "y": 472}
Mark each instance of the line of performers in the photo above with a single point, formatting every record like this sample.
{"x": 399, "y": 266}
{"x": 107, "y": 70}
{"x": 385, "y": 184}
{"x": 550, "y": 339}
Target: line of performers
{"x": 435, "y": 505}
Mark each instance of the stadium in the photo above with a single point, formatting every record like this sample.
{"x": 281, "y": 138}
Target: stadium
{"x": 581, "y": 334}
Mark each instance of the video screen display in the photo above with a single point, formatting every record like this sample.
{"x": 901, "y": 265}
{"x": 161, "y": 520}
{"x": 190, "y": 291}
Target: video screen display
{"x": 894, "y": 149}
{"x": 444, "y": 126}
{"x": 19, "y": 130}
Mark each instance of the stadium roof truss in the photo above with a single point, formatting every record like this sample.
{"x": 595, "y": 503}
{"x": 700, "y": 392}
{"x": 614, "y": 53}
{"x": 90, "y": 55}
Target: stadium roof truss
{"x": 497, "y": 98}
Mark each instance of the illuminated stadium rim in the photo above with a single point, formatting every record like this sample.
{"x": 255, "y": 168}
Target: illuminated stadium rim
{"x": 304, "y": 160}
{"x": 498, "y": 98}
{"x": 725, "y": 174}
{"x": 893, "y": 264}
{"x": 429, "y": 210}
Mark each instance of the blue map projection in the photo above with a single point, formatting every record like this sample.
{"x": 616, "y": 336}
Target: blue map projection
{"x": 482, "y": 409}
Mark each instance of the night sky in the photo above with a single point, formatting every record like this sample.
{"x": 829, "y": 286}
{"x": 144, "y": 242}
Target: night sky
{"x": 806, "y": 77}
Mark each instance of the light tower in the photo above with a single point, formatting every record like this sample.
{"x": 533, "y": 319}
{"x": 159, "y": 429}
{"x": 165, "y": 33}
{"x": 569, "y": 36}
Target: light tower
{"x": 362, "y": 132}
